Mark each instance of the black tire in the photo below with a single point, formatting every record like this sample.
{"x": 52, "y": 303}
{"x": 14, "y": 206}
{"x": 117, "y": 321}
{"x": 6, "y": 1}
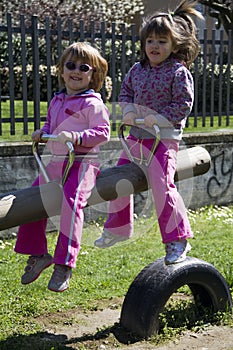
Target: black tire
{"x": 154, "y": 285}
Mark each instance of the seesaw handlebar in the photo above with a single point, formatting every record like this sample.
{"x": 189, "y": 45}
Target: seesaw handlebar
{"x": 35, "y": 150}
{"x": 48, "y": 137}
{"x": 138, "y": 122}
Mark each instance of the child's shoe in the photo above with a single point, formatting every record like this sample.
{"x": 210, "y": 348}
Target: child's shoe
{"x": 176, "y": 251}
{"x": 35, "y": 265}
{"x": 59, "y": 281}
{"x": 108, "y": 239}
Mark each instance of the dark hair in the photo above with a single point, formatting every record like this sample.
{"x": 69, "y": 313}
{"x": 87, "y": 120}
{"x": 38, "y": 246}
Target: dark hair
{"x": 179, "y": 26}
{"x": 87, "y": 54}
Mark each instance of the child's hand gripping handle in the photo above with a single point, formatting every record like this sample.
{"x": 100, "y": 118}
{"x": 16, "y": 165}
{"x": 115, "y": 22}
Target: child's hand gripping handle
{"x": 155, "y": 126}
{"x": 46, "y": 137}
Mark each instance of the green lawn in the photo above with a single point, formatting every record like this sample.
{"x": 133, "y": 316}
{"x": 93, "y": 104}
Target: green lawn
{"x": 107, "y": 274}
{"x": 19, "y": 133}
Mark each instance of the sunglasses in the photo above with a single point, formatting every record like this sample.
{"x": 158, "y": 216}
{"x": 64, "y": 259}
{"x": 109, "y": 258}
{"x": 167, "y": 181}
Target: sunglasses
{"x": 82, "y": 67}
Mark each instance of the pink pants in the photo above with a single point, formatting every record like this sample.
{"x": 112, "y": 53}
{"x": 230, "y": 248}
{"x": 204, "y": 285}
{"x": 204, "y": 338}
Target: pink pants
{"x": 77, "y": 189}
{"x": 172, "y": 217}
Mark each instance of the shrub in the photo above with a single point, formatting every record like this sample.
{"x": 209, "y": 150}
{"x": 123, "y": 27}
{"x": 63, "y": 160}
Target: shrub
{"x": 212, "y": 80}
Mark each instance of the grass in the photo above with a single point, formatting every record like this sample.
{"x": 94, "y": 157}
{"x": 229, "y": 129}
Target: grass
{"x": 19, "y": 133}
{"x": 107, "y": 274}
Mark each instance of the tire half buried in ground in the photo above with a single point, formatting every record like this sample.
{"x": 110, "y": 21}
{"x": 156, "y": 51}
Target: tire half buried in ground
{"x": 154, "y": 285}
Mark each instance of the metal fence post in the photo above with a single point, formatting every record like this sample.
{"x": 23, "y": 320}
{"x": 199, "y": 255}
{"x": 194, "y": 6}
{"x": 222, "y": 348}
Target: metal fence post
{"x": 229, "y": 60}
{"x": 24, "y": 74}
{"x": 36, "y": 76}
{"x": 11, "y": 73}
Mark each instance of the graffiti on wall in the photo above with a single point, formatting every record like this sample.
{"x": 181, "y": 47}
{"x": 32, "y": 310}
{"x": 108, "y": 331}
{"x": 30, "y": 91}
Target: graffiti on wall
{"x": 219, "y": 183}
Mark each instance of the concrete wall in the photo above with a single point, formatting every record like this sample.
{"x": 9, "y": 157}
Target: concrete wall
{"x": 216, "y": 186}
{"x": 18, "y": 169}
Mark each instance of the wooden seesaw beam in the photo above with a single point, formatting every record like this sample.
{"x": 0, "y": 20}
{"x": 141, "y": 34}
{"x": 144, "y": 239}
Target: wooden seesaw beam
{"x": 34, "y": 203}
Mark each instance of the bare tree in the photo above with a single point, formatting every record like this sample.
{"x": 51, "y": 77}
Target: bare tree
{"x": 222, "y": 10}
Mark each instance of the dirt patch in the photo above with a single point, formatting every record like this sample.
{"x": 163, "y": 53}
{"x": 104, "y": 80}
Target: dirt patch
{"x": 99, "y": 329}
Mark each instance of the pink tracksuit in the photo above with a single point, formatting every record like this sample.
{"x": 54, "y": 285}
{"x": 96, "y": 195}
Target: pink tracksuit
{"x": 85, "y": 115}
{"x": 166, "y": 91}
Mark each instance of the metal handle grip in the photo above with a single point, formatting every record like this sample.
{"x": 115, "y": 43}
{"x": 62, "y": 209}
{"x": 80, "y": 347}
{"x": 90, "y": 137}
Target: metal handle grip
{"x": 138, "y": 122}
{"x": 35, "y": 150}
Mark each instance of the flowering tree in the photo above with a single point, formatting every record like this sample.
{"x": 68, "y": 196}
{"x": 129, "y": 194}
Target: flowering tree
{"x": 119, "y": 11}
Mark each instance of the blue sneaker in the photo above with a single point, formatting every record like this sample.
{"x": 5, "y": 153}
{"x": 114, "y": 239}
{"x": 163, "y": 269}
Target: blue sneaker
{"x": 176, "y": 251}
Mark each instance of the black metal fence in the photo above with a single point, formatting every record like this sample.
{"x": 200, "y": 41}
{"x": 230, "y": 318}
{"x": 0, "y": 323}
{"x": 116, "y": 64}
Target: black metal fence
{"x": 28, "y": 56}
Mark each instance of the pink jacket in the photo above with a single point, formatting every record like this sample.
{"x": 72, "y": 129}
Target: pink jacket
{"x": 83, "y": 114}
{"x": 166, "y": 90}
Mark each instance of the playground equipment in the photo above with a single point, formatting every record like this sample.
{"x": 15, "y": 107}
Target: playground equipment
{"x": 154, "y": 285}
{"x": 34, "y": 203}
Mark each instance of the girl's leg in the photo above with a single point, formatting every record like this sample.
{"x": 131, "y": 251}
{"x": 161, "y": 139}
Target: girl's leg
{"x": 120, "y": 212}
{"x": 77, "y": 189}
{"x": 171, "y": 212}
{"x": 31, "y": 238}
{"x": 119, "y": 224}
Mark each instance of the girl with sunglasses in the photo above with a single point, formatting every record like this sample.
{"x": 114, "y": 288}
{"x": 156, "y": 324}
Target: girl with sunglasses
{"x": 159, "y": 90}
{"x": 76, "y": 114}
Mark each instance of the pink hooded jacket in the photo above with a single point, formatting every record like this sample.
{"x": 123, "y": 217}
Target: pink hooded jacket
{"x": 85, "y": 115}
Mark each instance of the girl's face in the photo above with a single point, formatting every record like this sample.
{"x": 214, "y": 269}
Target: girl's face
{"x": 158, "y": 48}
{"x": 77, "y": 76}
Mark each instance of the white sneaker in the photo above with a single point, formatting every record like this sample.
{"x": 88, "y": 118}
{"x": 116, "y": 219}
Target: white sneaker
{"x": 61, "y": 276}
{"x": 108, "y": 239}
{"x": 176, "y": 251}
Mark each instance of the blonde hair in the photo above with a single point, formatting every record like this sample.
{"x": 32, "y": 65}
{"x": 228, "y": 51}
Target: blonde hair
{"x": 179, "y": 26}
{"x": 86, "y": 54}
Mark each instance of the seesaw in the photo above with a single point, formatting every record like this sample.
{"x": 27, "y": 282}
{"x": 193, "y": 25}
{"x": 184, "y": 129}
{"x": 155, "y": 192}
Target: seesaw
{"x": 34, "y": 203}
{"x": 155, "y": 284}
